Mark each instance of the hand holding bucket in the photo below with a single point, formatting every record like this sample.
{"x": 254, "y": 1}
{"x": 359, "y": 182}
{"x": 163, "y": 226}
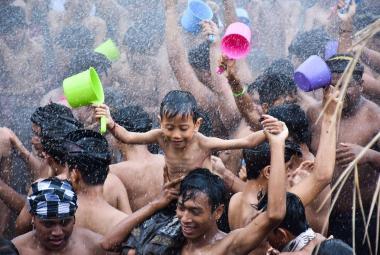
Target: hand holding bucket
{"x": 196, "y": 12}
{"x": 312, "y": 74}
{"x": 83, "y": 89}
{"x": 236, "y": 42}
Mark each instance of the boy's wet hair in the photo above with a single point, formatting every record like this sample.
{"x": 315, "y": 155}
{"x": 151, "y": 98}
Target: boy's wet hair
{"x": 332, "y": 247}
{"x": 257, "y": 158}
{"x": 76, "y": 37}
{"x": 309, "y": 43}
{"x": 295, "y": 217}
{"x": 199, "y": 56}
{"x": 282, "y": 66}
{"x": 53, "y": 136}
{"x": 87, "y": 58}
{"x": 179, "y": 103}
{"x": 11, "y": 18}
{"x": 339, "y": 62}
{"x": 133, "y": 118}
{"x": 295, "y": 119}
{"x": 87, "y": 151}
{"x": 50, "y": 112}
{"x": 272, "y": 86}
{"x": 202, "y": 180}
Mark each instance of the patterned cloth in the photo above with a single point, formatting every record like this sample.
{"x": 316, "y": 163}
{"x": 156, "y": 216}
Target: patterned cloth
{"x": 300, "y": 241}
{"x": 52, "y": 198}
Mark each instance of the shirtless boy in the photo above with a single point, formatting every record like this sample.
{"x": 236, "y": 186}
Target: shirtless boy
{"x": 184, "y": 147}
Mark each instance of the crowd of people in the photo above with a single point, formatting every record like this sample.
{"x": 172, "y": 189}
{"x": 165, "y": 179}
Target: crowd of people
{"x": 194, "y": 161}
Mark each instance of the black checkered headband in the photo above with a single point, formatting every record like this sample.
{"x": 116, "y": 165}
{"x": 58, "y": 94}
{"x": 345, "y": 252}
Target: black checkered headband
{"x": 52, "y": 199}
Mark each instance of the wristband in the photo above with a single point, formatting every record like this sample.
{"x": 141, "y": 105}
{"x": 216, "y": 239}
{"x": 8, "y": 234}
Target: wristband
{"x": 240, "y": 93}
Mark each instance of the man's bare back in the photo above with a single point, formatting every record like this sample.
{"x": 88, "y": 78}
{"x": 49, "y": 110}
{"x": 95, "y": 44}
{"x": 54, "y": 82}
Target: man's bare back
{"x": 143, "y": 179}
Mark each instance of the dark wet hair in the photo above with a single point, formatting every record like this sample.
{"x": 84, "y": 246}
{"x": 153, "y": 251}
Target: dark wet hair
{"x": 202, "y": 180}
{"x": 272, "y": 86}
{"x": 257, "y": 158}
{"x": 76, "y": 37}
{"x": 146, "y": 35}
{"x": 206, "y": 127}
{"x": 87, "y": 58}
{"x": 295, "y": 218}
{"x": 282, "y": 66}
{"x": 11, "y": 18}
{"x": 50, "y": 112}
{"x": 199, "y": 56}
{"x": 53, "y": 136}
{"x": 309, "y": 43}
{"x": 332, "y": 247}
{"x": 87, "y": 151}
{"x": 295, "y": 119}
{"x": 133, "y": 118}
{"x": 179, "y": 103}
{"x": 7, "y": 247}
{"x": 339, "y": 62}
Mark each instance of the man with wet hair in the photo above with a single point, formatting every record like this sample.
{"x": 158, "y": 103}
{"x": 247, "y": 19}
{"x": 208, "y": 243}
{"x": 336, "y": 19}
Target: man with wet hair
{"x": 88, "y": 159}
{"x": 53, "y": 206}
{"x": 357, "y": 110}
{"x": 138, "y": 163}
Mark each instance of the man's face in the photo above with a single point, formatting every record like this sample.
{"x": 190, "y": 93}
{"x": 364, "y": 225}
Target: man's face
{"x": 53, "y": 234}
{"x": 179, "y": 130}
{"x": 195, "y": 215}
{"x": 36, "y": 139}
{"x": 353, "y": 91}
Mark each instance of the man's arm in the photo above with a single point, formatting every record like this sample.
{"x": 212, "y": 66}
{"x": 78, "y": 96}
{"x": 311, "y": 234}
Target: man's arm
{"x": 324, "y": 164}
{"x": 346, "y": 27}
{"x": 182, "y": 69}
{"x": 11, "y": 198}
{"x": 244, "y": 240}
{"x": 113, "y": 239}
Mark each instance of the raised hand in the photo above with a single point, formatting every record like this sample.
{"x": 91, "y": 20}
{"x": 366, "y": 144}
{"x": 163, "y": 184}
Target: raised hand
{"x": 103, "y": 110}
{"x": 274, "y": 129}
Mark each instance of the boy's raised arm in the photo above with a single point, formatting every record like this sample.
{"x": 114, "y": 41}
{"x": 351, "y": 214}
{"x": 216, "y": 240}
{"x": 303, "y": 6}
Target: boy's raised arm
{"x": 244, "y": 240}
{"x": 324, "y": 164}
{"x": 252, "y": 140}
{"x": 121, "y": 133}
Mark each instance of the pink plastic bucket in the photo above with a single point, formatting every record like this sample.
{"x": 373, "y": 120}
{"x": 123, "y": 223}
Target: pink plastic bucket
{"x": 236, "y": 42}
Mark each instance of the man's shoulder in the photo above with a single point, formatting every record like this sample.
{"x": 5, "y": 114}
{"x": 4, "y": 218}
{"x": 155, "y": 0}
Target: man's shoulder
{"x": 23, "y": 240}
{"x": 372, "y": 109}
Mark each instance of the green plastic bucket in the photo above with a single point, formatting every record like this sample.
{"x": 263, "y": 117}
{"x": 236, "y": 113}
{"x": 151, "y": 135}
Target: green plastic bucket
{"x": 108, "y": 49}
{"x": 84, "y": 89}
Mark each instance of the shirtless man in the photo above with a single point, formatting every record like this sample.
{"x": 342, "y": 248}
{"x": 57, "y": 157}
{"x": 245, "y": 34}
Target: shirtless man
{"x": 54, "y": 150}
{"x": 142, "y": 171}
{"x": 184, "y": 147}
{"x": 357, "y": 110}
{"x": 88, "y": 159}
{"x": 53, "y": 205}
{"x": 201, "y": 203}
{"x": 241, "y": 211}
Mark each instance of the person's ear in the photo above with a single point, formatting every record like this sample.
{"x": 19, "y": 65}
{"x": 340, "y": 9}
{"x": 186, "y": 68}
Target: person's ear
{"x": 265, "y": 107}
{"x": 266, "y": 172}
{"x": 282, "y": 235}
{"x": 75, "y": 178}
{"x": 198, "y": 123}
{"x": 218, "y": 212}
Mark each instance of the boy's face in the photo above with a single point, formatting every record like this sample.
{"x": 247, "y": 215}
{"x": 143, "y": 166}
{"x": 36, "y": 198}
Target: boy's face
{"x": 353, "y": 93}
{"x": 179, "y": 130}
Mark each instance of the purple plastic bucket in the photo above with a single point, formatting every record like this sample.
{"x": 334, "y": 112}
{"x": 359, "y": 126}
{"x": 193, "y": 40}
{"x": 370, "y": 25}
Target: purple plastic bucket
{"x": 312, "y": 74}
